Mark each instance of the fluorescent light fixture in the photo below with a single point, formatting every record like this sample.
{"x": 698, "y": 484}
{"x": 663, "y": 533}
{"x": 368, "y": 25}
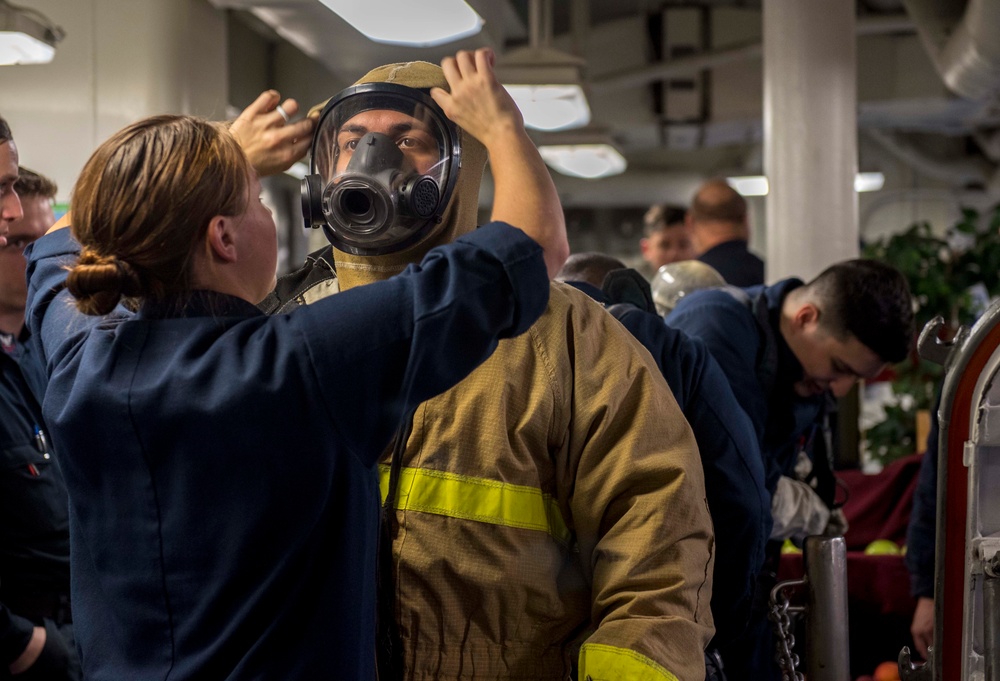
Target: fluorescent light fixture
{"x": 422, "y": 23}
{"x": 26, "y": 36}
{"x": 589, "y": 153}
{"x": 547, "y": 86}
{"x": 551, "y": 107}
{"x": 20, "y": 48}
{"x": 756, "y": 185}
{"x": 868, "y": 182}
{"x": 750, "y": 185}
{"x": 589, "y": 161}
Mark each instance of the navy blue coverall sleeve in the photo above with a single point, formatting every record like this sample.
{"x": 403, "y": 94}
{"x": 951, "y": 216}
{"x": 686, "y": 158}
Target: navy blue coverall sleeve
{"x": 920, "y": 533}
{"x": 377, "y": 351}
{"x": 730, "y": 456}
{"x": 730, "y": 332}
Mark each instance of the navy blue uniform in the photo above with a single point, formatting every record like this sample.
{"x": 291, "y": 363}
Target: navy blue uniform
{"x": 734, "y": 261}
{"x": 221, "y": 463}
{"x": 34, "y": 527}
{"x": 734, "y": 473}
{"x": 785, "y": 423}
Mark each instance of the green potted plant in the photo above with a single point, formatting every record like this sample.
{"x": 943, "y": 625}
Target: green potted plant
{"x": 951, "y": 275}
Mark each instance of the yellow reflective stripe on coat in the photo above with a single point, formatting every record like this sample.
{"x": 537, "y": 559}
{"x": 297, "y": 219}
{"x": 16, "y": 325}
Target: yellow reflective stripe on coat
{"x": 600, "y": 662}
{"x": 478, "y": 499}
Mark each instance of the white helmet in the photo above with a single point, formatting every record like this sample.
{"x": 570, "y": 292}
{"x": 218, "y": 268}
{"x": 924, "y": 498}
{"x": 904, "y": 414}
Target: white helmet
{"x": 675, "y": 280}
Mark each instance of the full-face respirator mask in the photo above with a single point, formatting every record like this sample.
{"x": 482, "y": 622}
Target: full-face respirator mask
{"x": 383, "y": 167}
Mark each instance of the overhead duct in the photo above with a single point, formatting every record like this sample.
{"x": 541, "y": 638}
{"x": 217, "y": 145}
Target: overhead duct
{"x": 962, "y": 173}
{"x": 960, "y": 36}
{"x": 635, "y": 189}
{"x": 691, "y": 64}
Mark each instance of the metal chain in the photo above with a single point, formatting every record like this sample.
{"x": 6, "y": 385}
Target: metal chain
{"x": 779, "y": 610}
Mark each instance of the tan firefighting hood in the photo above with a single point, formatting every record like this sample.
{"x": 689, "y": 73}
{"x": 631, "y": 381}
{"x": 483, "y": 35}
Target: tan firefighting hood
{"x": 460, "y": 215}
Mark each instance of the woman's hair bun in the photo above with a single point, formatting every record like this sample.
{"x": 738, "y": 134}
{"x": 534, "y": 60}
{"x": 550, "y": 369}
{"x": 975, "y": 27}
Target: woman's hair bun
{"x": 98, "y": 282}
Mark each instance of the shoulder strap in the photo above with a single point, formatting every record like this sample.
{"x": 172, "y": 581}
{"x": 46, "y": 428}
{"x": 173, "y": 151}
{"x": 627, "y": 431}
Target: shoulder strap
{"x": 628, "y": 286}
{"x": 318, "y": 267}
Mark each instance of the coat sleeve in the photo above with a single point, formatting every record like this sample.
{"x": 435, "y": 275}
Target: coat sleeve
{"x": 730, "y": 459}
{"x": 639, "y": 512}
{"x": 373, "y": 353}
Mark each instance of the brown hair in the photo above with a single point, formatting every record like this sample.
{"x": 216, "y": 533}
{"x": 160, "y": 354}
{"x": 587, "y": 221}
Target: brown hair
{"x": 661, "y": 216}
{"x": 30, "y": 183}
{"x": 143, "y": 204}
{"x": 5, "y": 134}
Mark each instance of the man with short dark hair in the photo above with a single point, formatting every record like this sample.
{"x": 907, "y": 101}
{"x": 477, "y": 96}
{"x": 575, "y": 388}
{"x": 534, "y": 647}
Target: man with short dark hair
{"x": 666, "y": 238}
{"x": 786, "y": 350}
{"x": 720, "y": 230}
{"x": 36, "y": 634}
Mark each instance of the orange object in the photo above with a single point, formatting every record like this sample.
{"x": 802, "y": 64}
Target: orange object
{"x": 887, "y": 671}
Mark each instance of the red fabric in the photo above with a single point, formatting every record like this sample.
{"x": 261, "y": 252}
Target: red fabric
{"x": 878, "y": 506}
{"x": 879, "y": 603}
{"x": 881, "y": 583}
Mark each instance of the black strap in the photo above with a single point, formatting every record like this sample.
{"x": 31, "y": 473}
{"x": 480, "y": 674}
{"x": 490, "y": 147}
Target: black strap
{"x": 822, "y": 477}
{"x": 389, "y": 653}
{"x": 318, "y": 267}
{"x": 628, "y": 286}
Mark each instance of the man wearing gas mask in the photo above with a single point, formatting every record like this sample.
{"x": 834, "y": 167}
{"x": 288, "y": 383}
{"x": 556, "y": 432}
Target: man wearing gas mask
{"x": 547, "y": 514}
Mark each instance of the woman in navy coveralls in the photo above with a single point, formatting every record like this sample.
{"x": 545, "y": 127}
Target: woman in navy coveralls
{"x": 220, "y": 463}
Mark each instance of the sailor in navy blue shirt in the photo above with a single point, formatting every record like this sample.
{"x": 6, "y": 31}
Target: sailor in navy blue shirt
{"x": 224, "y": 467}
{"x": 779, "y": 416}
{"x": 785, "y": 350}
{"x": 719, "y": 227}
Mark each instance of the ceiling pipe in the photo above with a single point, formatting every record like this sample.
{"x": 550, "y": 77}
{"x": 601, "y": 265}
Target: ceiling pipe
{"x": 989, "y": 142}
{"x": 579, "y": 17}
{"x": 540, "y": 23}
{"x": 630, "y": 190}
{"x": 963, "y": 173}
{"x": 684, "y": 66}
{"x": 960, "y": 37}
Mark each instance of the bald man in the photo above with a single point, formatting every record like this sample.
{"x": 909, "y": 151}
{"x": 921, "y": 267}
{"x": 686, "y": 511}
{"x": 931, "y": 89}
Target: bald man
{"x": 717, "y": 222}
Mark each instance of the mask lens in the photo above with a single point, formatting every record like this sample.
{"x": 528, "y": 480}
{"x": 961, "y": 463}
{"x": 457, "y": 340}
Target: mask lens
{"x": 357, "y": 204}
{"x": 386, "y": 157}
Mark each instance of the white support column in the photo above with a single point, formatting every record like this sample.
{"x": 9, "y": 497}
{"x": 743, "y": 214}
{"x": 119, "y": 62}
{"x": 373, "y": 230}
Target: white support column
{"x": 810, "y": 135}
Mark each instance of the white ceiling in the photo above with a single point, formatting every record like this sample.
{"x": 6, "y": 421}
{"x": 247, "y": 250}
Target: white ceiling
{"x": 910, "y": 126}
